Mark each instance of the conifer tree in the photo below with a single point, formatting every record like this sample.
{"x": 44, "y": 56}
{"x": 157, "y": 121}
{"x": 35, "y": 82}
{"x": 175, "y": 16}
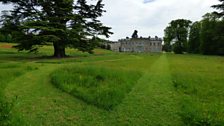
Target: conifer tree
{"x": 61, "y": 22}
{"x": 219, "y": 7}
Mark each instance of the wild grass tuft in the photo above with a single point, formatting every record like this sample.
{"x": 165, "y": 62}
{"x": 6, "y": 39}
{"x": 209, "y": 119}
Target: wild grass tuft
{"x": 102, "y": 87}
{"x": 199, "y": 84}
{"x": 194, "y": 113}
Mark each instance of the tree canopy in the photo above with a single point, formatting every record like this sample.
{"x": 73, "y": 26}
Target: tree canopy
{"x": 212, "y": 35}
{"x": 194, "y": 38}
{"x": 64, "y": 23}
{"x": 177, "y": 32}
{"x": 205, "y": 36}
{"x": 219, "y": 7}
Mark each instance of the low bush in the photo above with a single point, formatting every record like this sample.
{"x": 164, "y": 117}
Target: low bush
{"x": 102, "y": 87}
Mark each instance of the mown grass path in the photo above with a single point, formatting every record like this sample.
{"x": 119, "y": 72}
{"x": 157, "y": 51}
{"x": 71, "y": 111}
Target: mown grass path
{"x": 151, "y": 102}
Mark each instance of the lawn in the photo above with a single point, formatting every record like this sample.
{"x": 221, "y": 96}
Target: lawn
{"x": 109, "y": 88}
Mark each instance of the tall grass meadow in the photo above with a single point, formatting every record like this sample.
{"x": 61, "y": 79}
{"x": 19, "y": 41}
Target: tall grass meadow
{"x": 100, "y": 86}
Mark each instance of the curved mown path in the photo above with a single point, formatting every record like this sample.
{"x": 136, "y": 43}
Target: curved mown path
{"x": 151, "y": 102}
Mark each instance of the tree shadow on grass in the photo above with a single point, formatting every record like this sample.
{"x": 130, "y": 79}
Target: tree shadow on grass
{"x": 43, "y": 58}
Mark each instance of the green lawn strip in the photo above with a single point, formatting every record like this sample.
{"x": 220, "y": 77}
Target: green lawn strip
{"x": 152, "y": 101}
{"x": 9, "y": 71}
{"x": 35, "y": 98}
{"x": 40, "y": 103}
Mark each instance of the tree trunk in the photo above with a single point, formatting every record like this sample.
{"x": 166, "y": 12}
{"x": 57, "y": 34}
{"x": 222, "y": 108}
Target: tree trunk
{"x": 59, "y": 50}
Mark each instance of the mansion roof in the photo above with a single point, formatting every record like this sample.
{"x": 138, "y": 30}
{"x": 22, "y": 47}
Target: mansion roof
{"x": 139, "y": 39}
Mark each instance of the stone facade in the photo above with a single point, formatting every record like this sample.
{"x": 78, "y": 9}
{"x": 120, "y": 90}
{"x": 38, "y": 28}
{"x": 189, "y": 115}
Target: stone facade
{"x": 138, "y": 45}
{"x": 115, "y": 46}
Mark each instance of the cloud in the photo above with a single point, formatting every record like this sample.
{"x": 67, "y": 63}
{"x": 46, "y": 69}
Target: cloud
{"x": 148, "y": 1}
{"x": 125, "y": 16}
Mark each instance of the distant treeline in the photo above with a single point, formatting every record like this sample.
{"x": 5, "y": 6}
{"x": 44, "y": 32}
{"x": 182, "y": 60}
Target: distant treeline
{"x": 204, "y": 37}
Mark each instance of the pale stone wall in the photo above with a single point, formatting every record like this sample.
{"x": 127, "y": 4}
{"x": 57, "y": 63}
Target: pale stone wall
{"x": 115, "y": 46}
{"x": 140, "y": 45}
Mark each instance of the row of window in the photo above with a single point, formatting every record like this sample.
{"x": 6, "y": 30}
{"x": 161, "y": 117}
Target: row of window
{"x": 154, "y": 44}
{"x": 137, "y": 49}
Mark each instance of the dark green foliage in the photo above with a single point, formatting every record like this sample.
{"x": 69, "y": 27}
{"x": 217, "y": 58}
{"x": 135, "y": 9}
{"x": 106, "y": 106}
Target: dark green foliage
{"x": 102, "y": 87}
{"x": 194, "y": 38}
{"x": 212, "y": 35}
{"x": 167, "y": 47}
{"x": 178, "y": 47}
{"x": 219, "y": 7}
{"x": 61, "y": 22}
{"x": 208, "y": 34}
{"x": 5, "y": 38}
{"x": 205, "y": 37}
{"x": 177, "y": 32}
{"x": 167, "y": 39}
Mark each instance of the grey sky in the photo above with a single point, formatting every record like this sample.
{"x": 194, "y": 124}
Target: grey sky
{"x": 149, "y": 17}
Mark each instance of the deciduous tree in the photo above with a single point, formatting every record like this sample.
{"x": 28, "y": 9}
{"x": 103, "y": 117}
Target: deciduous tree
{"x": 212, "y": 35}
{"x": 177, "y": 30}
{"x": 194, "y": 38}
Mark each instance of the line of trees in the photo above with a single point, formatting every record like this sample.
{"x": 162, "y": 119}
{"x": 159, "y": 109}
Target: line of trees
{"x": 205, "y": 36}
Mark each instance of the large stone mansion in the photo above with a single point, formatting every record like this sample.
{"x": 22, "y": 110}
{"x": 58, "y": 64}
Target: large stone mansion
{"x": 137, "y": 45}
